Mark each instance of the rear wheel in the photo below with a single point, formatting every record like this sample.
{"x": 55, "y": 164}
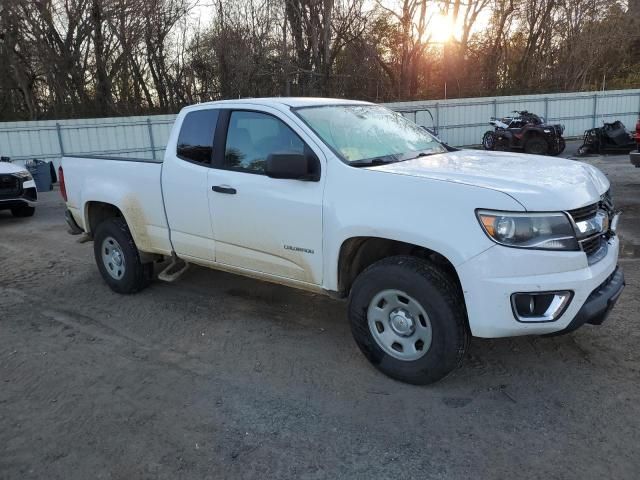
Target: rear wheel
{"x": 408, "y": 318}
{"x": 536, "y": 145}
{"x": 25, "y": 211}
{"x": 118, "y": 258}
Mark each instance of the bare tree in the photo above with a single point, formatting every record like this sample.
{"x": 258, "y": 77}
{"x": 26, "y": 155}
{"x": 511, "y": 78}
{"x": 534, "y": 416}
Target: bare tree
{"x": 115, "y": 57}
{"x": 413, "y": 19}
{"x": 320, "y": 29}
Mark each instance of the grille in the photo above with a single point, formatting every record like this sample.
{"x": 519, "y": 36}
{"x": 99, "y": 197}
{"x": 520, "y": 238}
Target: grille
{"x": 591, "y": 245}
{"x": 595, "y": 246}
{"x": 9, "y": 186}
{"x": 589, "y": 211}
{"x": 583, "y": 213}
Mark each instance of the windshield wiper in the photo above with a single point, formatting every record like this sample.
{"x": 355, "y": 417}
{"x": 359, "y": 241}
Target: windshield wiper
{"x": 369, "y": 162}
{"x": 413, "y": 155}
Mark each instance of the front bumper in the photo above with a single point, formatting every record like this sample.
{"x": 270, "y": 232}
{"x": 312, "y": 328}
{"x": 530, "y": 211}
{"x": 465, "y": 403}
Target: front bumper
{"x": 601, "y": 301}
{"x": 27, "y": 196}
{"x": 489, "y": 279}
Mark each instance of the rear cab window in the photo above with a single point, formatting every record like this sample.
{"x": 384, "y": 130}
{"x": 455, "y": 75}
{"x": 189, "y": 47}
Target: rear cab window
{"x": 195, "y": 141}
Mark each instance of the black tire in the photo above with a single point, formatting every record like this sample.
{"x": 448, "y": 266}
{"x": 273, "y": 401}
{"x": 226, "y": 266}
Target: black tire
{"x": 136, "y": 275}
{"x": 437, "y": 294}
{"x": 558, "y": 147}
{"x": 489, "y": 140}
{"x": 583, "y": 150}
{"x": 536, "y": 145}
{"x": 562, "y": 145}
{"x": 25, "y": 211}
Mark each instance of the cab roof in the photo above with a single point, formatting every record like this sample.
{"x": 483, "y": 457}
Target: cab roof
{"x": 294, "y": 102}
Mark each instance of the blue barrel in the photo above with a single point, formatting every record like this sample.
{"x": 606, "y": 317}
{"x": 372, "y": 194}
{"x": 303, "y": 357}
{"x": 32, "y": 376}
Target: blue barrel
{"x": 41, "y": 173}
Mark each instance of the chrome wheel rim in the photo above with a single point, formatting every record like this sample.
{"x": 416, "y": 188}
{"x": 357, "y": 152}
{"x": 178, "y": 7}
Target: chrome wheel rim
{"x": 399, "y": 325}
{"x": 113, "y": 258}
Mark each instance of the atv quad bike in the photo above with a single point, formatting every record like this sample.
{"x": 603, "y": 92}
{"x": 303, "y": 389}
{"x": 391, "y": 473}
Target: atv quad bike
{"x": 610, "y": 138}
{"x": 525, "y": 131}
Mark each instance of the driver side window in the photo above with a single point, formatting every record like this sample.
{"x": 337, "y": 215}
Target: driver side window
{"x": 253, "y": 136}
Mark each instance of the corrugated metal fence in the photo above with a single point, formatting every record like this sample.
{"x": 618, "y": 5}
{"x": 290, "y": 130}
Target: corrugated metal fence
{"x": 460, "y": 122}
{"x": 143, "y": 137}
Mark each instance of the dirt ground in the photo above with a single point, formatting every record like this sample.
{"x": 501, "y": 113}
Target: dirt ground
{"x": 222, "y": 377}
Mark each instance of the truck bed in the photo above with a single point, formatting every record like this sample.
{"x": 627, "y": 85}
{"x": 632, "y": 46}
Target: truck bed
{"x": 132, "y": 184}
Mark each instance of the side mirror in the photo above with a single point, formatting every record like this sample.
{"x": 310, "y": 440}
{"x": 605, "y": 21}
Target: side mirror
{"x": 293, "y": 166}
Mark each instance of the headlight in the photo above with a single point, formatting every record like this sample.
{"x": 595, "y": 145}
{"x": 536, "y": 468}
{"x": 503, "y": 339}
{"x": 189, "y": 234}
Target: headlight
{"x": 546, "y": 231}
{"x": 24, "y": 175}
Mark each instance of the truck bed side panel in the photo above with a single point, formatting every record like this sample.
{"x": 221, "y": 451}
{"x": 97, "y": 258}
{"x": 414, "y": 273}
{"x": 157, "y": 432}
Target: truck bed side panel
{"x": 131, "y": 186}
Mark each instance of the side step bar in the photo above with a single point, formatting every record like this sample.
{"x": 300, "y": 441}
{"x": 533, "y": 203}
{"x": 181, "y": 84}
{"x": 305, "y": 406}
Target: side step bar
{"x": 174, "y": 270}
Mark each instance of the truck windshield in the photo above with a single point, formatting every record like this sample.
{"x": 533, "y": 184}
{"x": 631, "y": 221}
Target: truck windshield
{"x": 364, "y": 135}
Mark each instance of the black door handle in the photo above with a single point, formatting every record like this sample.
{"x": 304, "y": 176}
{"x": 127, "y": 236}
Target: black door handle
{"x": 228, "y": 190}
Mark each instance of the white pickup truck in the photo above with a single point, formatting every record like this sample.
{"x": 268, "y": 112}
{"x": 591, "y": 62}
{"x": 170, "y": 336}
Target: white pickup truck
{"x": 430, "y": 244}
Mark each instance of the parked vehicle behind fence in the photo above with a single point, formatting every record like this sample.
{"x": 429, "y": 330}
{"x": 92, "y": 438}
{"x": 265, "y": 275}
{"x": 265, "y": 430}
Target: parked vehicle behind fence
{"x": 525, "y": 131}
{"x": 429, "y": 246}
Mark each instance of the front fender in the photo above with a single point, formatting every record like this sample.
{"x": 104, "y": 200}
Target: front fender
{"x": 432, "y": 214}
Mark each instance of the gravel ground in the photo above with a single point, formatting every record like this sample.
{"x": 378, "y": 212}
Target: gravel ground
{"x": 218, "y": 376}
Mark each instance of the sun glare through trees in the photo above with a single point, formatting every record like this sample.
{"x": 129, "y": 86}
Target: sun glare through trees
{"x": 79, "y": 58}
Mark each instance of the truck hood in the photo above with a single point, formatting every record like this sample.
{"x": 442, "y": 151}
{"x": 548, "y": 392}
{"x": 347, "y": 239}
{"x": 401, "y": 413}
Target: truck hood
{"x": 6, "y": 167}
{"x": 537, "y": 182}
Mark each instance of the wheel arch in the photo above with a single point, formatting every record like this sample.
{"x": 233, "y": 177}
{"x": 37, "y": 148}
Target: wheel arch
{"x": 358, "y": 253}
{"x": 96, "y": 212}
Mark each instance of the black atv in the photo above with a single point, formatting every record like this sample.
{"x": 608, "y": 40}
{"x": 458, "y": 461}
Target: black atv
{"x": 524, "y": 131}
{"x": 610, "y": 138}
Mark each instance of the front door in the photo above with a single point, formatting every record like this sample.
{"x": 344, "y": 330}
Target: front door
{"x": 263, "y": 224}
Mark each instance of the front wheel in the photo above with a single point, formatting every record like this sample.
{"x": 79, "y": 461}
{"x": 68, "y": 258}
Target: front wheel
{"x": 118, "y": 258}
{"x": 558, "y": 147}
{"x": 408, "y": 318}
{"x": 536, "y": 145}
